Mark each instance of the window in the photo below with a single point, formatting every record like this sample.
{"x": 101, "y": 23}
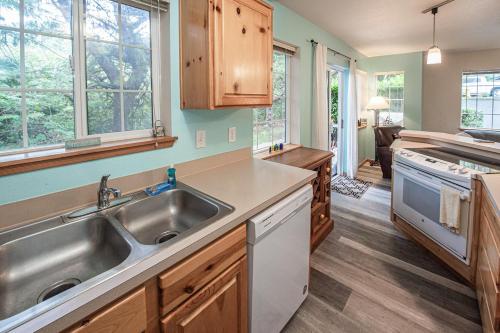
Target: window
{"x": 271, "y": 125}
{"x": 481, "y": 100}
{"x": 391, "y": 86}
{"x": 76, "y": 68}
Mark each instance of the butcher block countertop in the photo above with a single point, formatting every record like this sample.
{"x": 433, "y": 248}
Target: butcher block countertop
{"x": 301, "y": 157}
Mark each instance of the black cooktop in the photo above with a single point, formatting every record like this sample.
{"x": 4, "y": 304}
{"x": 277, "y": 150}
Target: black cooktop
{"x": 471, "y": 161}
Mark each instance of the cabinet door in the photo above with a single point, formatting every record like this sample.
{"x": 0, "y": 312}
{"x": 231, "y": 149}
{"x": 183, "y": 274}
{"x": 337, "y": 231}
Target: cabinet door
{"x": 219, "y": 307}
{"x": 127, "y": 315}
{"x": 243, "y": 50}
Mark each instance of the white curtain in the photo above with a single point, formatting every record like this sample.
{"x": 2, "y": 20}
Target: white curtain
{"x": 351, "y": 122}
{"x": 320, "y": 99}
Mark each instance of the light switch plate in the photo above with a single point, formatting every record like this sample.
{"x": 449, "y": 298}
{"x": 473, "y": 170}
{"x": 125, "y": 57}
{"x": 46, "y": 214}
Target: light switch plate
{"x": 201, "y": 139}
{"x": 232, "y": 134}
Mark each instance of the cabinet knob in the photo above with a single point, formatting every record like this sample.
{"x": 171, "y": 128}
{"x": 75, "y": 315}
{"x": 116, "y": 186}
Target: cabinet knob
{"x": 238, "y": 11}
{"x": 328, "y": 169}
{"x": 322, "y": 216}
{"x": 189, "y": 290}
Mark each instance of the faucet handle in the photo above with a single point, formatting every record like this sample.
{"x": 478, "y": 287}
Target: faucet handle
{"x": 116, "y": 192}
{"x": 104, "y": 181}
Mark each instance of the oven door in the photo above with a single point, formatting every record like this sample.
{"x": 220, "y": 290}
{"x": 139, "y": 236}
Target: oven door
{"x": 417, "y": 201}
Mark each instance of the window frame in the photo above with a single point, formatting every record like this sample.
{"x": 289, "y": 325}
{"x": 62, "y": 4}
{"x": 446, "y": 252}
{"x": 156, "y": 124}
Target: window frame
{"x": 288, "y": 61}
{"x": 389, "y": 100}
{"x": 78, "y": 64}
{"x": 477, "y": 84}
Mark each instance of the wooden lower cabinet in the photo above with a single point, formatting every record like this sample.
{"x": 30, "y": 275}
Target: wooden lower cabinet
{"x": 487, "y": 274}
{"x": 127, "y": 315}
{"x": 207, "y": 292}
{"x": 221, "y": 306}
{"x": 321, "y": 162}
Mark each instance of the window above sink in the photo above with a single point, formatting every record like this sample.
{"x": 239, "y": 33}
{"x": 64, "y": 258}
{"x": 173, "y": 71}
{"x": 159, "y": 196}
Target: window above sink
{"x": 77, "y": 69}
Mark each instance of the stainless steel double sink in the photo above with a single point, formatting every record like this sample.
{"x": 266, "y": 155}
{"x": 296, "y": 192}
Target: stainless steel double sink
{"x": 50, "y": 261}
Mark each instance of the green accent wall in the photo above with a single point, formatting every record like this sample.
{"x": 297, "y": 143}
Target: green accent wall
{"x": 288, "y": 26}
{"x": 411, "y": 64}
{"x": 295, "y": 29}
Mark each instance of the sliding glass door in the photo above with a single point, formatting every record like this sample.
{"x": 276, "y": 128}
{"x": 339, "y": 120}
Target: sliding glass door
{"x": 335, "y": 109}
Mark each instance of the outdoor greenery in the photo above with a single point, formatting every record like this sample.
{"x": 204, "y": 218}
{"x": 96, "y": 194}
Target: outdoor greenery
{"x": 334, "y": 98}
{"x": 472, "y": 119}
{"x": 269, "y": 124}
{"x": 391, "y": 86}
{"x": 118, "y": 75}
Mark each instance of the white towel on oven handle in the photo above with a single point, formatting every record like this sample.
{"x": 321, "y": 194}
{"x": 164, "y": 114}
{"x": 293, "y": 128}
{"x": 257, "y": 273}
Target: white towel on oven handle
{"x": 449, "y": 208}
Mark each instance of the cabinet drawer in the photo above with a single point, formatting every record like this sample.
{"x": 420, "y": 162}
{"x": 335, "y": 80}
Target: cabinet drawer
{"x": 220, "y": 306}
{"x": 318, "y": 216}
{"x": 491, "y": 294}
{"x": 490, "y": 244}
{"x": 186, "y": 278}
{"x": 127, "y": 315}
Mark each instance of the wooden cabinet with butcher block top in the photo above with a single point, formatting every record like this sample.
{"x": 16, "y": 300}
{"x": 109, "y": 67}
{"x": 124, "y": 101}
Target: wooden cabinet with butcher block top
{"x": 225, "y": 53}
{"x": 321, "y": 162}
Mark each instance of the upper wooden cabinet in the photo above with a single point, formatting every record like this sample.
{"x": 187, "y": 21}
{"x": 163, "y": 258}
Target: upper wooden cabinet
{"x": 226, "y": 53}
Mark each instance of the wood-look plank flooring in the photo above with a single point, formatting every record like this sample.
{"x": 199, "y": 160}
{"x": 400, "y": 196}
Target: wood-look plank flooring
{"x": 368, "y": 277}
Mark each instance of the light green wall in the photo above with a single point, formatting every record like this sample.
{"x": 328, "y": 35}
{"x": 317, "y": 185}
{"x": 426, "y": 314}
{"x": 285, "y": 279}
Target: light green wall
{"x": 296, "y": 30}
{"x": 411, "y": 64}
{"x": 288, "y": 26}
{"x": 184, "y": 125}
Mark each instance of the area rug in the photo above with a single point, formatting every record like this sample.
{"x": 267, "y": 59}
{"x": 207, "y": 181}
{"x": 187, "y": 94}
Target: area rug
{"x": 351, "y": 187}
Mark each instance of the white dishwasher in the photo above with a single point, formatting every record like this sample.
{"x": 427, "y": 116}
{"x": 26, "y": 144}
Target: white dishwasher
{"x": 278, "y": 253}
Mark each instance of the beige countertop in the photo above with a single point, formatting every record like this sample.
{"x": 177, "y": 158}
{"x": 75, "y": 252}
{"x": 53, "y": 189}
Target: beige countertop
{"x": 451, "y": 139}
{"x": 491, "y": 184}
{"x": 401, "y": 144}
{"x": 249, "y": 185}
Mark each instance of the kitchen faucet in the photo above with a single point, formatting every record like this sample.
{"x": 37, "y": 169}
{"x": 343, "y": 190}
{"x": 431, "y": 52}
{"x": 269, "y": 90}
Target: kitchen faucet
{"x": 104, "y": 192}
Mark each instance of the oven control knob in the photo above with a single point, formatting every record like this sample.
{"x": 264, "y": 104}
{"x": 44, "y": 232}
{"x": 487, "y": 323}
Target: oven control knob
{"x": 452, "y": 167}
{"x": 463, "y": 170}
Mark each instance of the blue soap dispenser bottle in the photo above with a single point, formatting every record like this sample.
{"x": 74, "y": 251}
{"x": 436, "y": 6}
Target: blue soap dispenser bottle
{"x": 171, "y": 176}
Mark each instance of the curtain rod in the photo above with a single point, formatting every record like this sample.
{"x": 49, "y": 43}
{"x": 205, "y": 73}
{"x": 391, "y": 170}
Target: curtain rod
{"x": 312, "y": 41}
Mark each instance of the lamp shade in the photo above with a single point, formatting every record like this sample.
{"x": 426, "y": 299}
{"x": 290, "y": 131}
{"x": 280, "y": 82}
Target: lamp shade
{"x": 434, "y": 56}
{"x": 377, "y": 103}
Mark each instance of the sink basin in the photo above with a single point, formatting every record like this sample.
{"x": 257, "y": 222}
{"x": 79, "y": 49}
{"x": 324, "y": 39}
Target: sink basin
{"x": 36, "y": 267}
{"x": 158, "y": 219}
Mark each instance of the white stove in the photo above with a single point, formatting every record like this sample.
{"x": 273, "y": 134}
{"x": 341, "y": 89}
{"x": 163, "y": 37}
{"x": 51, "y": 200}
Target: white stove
{"x": 446, "y": 164}
{"x": 419, "y": 176}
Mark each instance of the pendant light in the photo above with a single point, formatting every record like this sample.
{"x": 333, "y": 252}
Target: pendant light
{"x": 434, "y": 53}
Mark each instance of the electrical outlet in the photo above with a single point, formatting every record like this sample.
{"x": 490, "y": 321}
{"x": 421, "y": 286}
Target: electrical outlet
{"x": 201, "y": 139}
{"x": 232, "y": 134}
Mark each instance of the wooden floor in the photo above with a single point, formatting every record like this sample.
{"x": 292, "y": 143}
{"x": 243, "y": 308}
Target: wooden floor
{"x": 367, "y": 277}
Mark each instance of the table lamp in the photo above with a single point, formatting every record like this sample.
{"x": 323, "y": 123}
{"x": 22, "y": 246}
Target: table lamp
{"x": 376, "y": 104}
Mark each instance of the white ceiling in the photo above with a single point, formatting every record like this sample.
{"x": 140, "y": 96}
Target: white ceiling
{"x": 382, "y": 27}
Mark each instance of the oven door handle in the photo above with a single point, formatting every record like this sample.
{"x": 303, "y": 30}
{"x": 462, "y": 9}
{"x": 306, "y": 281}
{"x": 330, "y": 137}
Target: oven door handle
{"x": 464, "y": 194}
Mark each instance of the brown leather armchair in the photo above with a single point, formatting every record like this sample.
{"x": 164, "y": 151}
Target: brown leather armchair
{"x": 384, "y": 137}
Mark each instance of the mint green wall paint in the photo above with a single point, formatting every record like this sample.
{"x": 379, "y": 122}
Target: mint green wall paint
{"x": 295, "y": 29}
{"x": 184, "y": 125}
{"x": 411, "y": 64}
{"x": 288, "y": 26}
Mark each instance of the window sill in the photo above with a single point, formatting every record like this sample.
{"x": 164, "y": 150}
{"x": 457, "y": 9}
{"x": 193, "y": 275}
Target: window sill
{"x": 286, "y": 148}
{"x": 25, "y": 162}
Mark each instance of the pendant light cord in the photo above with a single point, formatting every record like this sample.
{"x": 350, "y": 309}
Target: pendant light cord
{"x": 434, "y": 12}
